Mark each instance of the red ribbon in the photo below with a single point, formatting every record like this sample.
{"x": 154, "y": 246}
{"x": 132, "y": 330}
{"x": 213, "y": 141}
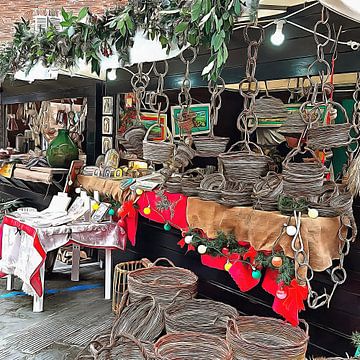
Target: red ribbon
{"x": 290, "y": 307}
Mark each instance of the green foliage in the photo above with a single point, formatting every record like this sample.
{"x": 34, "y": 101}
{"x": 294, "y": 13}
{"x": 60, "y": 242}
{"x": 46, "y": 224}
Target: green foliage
{"x": 206, "y": 23}
{"x": 229, "y": 241}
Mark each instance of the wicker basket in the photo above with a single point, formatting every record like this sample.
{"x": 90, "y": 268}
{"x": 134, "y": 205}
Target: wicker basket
{"x": 124, "y": 346}
{"x": 190, "y": 182}
{"x": 246, "y": 165}
{"x": 204, "y": 316}
{"x": 192, "y": 346}
{"x": 329, "y": 136}
{"x": 236, "y": 194}
{"x": 210, "y": 146}
{"x": 303, "y": 179}
{"x": 120, "y": 282}
{"x": 158, "y": 152}
{"x": 210, "y": 187}
{"x": 163, "y": 283}
{"x": 261, "y": 338}
{"x": 143, "y": 318}
{"x": 173, "y": 185}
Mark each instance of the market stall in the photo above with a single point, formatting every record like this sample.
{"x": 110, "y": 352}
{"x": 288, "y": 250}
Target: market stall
{"x": 253, "y": 195}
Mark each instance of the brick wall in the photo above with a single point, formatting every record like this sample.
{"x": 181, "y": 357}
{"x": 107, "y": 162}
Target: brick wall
{"x": 11, "y": 11}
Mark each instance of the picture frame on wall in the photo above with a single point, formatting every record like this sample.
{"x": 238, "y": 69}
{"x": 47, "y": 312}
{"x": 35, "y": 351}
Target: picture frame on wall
{"x": 148, "y": 119}
{"x": 202, "y": 119}
{"x": 106, "y": 144}
{"x": 107, "y": 125}
{"x": 107, "y": 105}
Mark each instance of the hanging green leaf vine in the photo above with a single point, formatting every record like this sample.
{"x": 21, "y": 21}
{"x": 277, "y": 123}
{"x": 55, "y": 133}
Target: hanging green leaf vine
{"x": 85, "y": 36}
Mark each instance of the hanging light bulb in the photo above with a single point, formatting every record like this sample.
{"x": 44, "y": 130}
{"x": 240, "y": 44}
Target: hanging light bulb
{"x": 111, "y": 75}
{"x": 278, "y": 37}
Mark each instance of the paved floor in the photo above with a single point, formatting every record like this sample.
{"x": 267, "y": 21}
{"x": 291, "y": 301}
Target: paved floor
{"x": 73, "y": 314}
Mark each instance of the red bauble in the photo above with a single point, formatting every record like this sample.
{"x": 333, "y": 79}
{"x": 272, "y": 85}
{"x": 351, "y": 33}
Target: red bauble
{"x": 225, "y": 251}
{"x": 281, "y": 294}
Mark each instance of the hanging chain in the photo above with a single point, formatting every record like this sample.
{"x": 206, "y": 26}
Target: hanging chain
{"x": 216, "y": 88}
{"x": 353, "y": 147}
{"x": 247, "y": 120}
{"x": 139, "y": 83}
{"x": 159, "y": 101}
{"x": 186, "y": 116}
{"x": 184, "y": 97}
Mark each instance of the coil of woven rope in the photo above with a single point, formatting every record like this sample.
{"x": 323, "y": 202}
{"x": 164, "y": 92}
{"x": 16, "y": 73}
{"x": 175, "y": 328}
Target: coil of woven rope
{"x": 191, "y": 346}
{"x": 266, "y": 192}
{"x": 190, "y": 181}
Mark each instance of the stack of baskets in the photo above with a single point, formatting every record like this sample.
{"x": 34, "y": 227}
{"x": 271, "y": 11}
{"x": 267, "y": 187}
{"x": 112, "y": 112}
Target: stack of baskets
{"x": 236, "y": 194}
{"x": 132, "y": 140}
{"x": 162, "y": 300}
{"x": 183, "y": 155}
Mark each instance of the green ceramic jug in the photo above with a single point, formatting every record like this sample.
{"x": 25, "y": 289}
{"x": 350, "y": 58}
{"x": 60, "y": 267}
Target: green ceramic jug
{"x": 62, "y": 150}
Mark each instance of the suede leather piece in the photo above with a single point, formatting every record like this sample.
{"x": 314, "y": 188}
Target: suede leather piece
{"x": 261, "y": 229}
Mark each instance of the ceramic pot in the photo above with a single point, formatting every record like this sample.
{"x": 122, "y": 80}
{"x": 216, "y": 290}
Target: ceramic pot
{"x": 62, "y": 150}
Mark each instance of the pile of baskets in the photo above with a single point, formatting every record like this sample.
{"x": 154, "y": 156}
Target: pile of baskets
{"x": 159, "y": 318}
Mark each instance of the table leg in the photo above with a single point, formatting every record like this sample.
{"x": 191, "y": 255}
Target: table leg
{"x": 75, "y": 266}
{"x": 38, "y": 303}
{"x": 108, "y": 267}
{"x": 10, "y": 282}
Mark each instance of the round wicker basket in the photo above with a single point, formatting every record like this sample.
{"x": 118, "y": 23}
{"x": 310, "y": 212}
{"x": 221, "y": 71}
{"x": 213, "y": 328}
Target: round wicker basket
{"x": 163, "y": 283}
{"x": 261, "y": 338}
{"x": 192, "y": 346}
{"x": 204, "y": 316}
{"x": 210, "y": 146}
{"x": 245, "y": 165}
{"x": 158, "y": 152}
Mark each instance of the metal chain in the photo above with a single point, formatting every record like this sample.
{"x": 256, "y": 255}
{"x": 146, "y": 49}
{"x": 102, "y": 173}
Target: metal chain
{"x": 353, "y": 147}
{"x": 159, "y": 101}
{"x": 139, "y": 83}
{"x": 216, "y": 88}
{"x": 247, "y": 120}
{"x": 184, "y": 98}
{"x": 303, "y": 271}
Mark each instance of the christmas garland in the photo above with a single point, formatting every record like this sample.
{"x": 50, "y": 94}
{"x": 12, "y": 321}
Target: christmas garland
{"x": 208, "y": 23}
{"x": 226, "y": 245}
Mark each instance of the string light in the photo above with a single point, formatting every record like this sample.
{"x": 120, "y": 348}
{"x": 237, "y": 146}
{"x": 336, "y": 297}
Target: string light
{"x": 278, "y": 37}
{"x": 111, "y": 75}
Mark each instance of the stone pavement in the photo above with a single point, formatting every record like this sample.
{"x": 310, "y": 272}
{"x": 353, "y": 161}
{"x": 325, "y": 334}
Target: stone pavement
{"x": 73, "y": 313}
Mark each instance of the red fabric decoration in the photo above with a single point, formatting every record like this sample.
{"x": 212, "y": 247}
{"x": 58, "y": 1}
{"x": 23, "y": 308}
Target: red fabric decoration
{"x": 290, "y": 307}
{"x": 250, "y": 255}
{"x": 182, "y": 243}
{"x": 269, "y": 283}
{"x": 178, "y": 221}
{"x": 241, "y": 274}
{"x": 215, "y": 262}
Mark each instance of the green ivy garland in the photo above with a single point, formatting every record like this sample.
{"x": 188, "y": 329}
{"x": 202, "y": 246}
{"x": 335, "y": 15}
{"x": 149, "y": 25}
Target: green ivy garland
{"x": 222, "y": 240}
{"x": 206, "y": 23}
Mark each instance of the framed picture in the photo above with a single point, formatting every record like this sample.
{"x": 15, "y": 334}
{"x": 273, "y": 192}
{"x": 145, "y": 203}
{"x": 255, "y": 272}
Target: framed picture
{"x": 108, "y": 105}
{"x": 202, "y": 119}
{"x": 148, "y": 119}
{"x": 107, "y": 125}
{"x": 106, "y": 144}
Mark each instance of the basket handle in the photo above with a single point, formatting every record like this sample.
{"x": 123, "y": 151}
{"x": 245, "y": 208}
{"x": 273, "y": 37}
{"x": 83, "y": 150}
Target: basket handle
{"x": 133, "y": 339}
{"x": 167, "y": 130}
{"x": 306, "y": 326}
{"x": 298, "y": 150}
{"x": 247, "y": 145}
{"x": 163, "y": 259}
{"x": 232, "y": 325}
